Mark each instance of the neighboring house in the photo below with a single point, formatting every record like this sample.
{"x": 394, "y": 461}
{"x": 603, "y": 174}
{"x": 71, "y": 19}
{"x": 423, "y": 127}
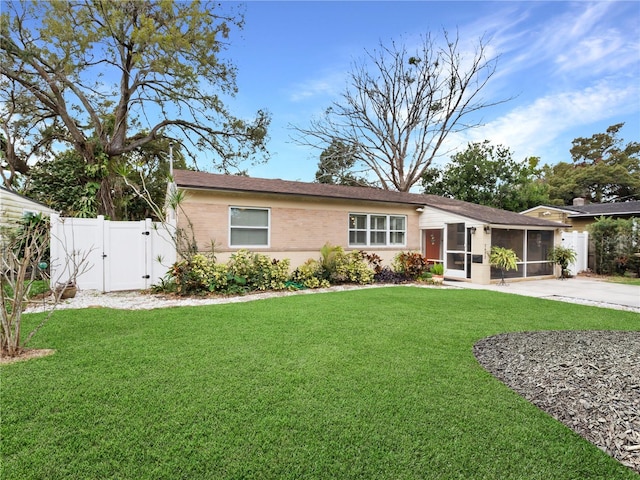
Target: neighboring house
{"x": 14, "y": 206}
{"x": 580, "y": 215}
{"x": 293, "y": 220}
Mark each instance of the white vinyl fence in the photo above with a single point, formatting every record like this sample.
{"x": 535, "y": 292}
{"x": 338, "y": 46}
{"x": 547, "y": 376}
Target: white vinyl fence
{"x": 119, "y": 255}
{"x": 579, "y": 242}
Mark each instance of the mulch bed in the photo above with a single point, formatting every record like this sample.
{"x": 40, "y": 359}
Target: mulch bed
{"x": 588, "y": 380}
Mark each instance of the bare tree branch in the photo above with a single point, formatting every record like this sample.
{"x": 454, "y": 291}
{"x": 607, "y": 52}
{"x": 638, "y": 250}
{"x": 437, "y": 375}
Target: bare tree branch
{"x": 398, "y": 109}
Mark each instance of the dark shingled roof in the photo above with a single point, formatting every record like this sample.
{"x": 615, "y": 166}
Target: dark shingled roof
{"x": 210, "y": 181}
{"x": 598, "y": 209}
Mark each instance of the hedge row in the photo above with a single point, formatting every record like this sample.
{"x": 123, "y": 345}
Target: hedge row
{"x": 248, "y": 271}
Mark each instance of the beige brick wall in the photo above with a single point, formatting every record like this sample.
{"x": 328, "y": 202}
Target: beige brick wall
{"x": 299, "y": 227}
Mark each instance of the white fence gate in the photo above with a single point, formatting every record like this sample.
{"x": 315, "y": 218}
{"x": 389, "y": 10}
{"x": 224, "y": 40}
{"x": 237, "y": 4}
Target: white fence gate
{"x": 119, "y": 255}
{"x": 579, "y": 242}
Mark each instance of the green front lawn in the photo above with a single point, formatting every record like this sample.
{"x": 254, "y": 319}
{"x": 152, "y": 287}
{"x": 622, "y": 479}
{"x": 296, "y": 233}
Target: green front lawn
{"x": 624, "y": 280}
{"x": 371, "y": 384}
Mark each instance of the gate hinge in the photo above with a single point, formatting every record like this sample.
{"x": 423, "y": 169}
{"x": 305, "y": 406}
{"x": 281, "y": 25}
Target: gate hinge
{"x": 146, "y": 276}
{"x": 145, "y": 233}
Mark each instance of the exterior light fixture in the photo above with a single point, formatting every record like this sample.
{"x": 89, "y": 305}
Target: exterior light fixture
{"x": 487, "y": 229}
{"x": 472, "y": 230}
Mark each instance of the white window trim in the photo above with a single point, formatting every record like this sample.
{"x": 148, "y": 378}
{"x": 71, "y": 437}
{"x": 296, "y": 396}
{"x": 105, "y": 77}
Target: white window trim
{"x": 374, "y": 231}
{"x": 390, "y": 231}
{"x": 369, "y": 230}
{"x": 268, "y": 227}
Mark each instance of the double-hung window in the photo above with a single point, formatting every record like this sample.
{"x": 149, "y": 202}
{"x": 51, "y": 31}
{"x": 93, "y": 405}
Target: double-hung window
{"x": 397, "y": 230}
{"x": 378, "y": 233}
{"x": 249, "y": 227}
{"x": 376, "y": 230}
{"x": 358, "y": 229}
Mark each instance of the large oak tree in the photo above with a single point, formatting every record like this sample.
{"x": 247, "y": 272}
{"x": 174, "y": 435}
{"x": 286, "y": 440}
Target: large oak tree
{"x": 109, "y": 77}
{"x": 603, "y": 169}
{"x": 399, "y": 107}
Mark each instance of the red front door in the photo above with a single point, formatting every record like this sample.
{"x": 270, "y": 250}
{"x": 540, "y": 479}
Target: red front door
{"x": 433, "y": 245}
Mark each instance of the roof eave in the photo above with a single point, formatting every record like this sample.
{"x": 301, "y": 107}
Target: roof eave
{"x": 603, "y": 214}
{"x": 294, "y": 194}
{"x": 524, "y": 222}
{"x": 548, "y": 207}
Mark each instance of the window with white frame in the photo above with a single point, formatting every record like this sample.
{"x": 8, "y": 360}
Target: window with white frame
{"x": 397, "y": 230}
{"x": 357, "y": 229}
{"x": 378, "y": 233}
{"x": 249, "y": 227}
{"x": 376, "y": 230}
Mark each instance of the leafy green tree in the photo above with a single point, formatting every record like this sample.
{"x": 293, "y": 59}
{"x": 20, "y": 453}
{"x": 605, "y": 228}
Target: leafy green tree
{"x": 485, "y": 174}
{"x": 400, "y": 105}
{"x": 148, "y": 170}
{"x": 65, "y": 184}
{"x": 108, "y": 77}
{"x": 70, "y": 186}
{"x": 602, "y": 170}
{"x": 336, "y": 166}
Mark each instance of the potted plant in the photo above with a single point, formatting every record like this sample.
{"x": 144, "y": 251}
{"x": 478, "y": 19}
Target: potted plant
{"x": 505, "y": 259}
{"x": 66, "y": 290}
{"x": 437, "y": 273}
{"x": 562, "y": 256}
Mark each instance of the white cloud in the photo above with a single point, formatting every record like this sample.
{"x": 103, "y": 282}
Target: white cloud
{"x": 328, "y": 86}
{"x": 585, "y": 39}
{"x": 530, "y": 129}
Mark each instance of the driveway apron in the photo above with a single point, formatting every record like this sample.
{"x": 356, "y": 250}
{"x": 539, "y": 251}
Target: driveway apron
{"x": 577, "y": 289}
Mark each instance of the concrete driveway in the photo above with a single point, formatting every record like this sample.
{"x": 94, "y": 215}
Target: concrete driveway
{"x": 578, "y": 289}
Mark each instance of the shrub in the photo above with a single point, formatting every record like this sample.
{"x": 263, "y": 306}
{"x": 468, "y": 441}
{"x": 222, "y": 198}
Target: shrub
{"x": 330, "y": 258}
{"x": 437, "y": 269}
{"x": 374, "y": 261}
{"x": 387, "y": 275}
{"x": 245, "y": 271}
{"x": 616, "y": 241}
{"x": 310, "y": 274}
{"x": 352, "y": 268}
{"x": 269, "y": 274}
{"x": 241, "y": 264}
{"x": 410, "y": 264}
{"x": 192, "y": 275}
{"x": 167, "y": 284}
{"x": 258, "y": 271}
{"x": 219, "y": 279}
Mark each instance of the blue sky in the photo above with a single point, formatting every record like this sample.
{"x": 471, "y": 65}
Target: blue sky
{"x": 573, "y": 68}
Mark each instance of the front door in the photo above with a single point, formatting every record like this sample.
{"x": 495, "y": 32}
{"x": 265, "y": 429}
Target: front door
{"x": 433, "y": 245}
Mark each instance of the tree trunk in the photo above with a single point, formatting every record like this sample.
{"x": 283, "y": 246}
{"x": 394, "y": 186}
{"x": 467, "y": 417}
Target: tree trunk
{"x": 106, "y": 206}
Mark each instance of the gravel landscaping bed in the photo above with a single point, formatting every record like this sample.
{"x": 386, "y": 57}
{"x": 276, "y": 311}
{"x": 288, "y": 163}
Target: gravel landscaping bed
{"x": 588, "y": 380}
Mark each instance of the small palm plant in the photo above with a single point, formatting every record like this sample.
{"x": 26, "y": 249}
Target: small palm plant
{"x": 504, "y": 259}
{"x": 562, "y": 256}
{"x": 330, "y": 256}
